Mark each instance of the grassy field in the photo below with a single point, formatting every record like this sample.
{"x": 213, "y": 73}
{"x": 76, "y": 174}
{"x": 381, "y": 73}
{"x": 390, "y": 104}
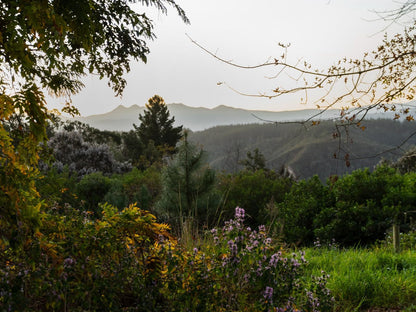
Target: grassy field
{"x": 367, "y": 279}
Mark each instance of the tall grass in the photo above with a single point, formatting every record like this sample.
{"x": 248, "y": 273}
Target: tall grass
{"x": 363, "y": 279}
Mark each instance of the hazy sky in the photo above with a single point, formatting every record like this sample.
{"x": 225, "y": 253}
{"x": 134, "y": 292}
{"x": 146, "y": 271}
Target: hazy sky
{"x": 246, "y": 32}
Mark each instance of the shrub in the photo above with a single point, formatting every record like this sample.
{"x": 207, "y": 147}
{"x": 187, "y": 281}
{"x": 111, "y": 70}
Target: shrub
{"x": 254, "y": 191}
{"x": 296, "y": 213}
{"x": 240, "y": 269}
{"x": 91, "y": 190}
{"x": 76, "y": 263}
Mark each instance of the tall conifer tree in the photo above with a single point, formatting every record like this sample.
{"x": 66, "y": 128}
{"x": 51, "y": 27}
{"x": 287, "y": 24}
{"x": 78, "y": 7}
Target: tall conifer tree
{"x": 157, "y": 126}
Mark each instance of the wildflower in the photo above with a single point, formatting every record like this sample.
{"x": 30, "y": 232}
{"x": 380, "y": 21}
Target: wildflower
{"x": 69, "y": 262}
{"x": 246, "y": 276}
{"x": 274, "y": 260}
{"x": 268, "y": 293}
{"x": 295, "y": 263}
{"x": 259, "y": 271}
{"x": 239, "y": 213}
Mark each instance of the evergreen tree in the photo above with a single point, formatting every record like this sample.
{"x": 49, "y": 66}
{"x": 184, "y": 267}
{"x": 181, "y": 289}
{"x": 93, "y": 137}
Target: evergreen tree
{"x": 187, "y": 185}
{"x": 157, "y": 126}
{"x": 132, "y": 147}
{"x": 255, "y": 161}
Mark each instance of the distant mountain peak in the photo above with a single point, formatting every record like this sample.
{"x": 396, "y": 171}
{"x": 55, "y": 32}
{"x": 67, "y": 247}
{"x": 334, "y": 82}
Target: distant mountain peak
{"x": 200, "y": 118}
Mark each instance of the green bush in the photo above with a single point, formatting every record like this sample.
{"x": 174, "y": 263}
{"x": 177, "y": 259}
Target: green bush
{"x": 76, "y": 263}
{"x": 296, "y": 213}
{"x": 255, "y": 191}
{"x": 91, "y": 190}
{"x": 358, "y": 208}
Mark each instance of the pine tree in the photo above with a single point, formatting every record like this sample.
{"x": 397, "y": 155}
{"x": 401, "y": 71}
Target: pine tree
{"x": 255, "y": 161}
{"x": 157, "y": 126}
{"x": 187, "y": 185}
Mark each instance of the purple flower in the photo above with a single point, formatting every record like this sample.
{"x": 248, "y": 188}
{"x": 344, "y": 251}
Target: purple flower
{"x": 274, "y": 260}
{"x": 295, "y": 263}
{"x": 233, "y": 247}
{"x": 268, "y": 293}
{"x": 69, "y": 262}
{"x": 239, "y": 213}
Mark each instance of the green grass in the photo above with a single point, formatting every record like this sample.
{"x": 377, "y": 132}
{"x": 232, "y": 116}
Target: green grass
{"x": 365, "y": 279}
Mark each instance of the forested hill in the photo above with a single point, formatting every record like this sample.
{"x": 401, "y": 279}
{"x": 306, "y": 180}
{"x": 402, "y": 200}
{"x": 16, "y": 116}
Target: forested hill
{"x": 308, "y": 151}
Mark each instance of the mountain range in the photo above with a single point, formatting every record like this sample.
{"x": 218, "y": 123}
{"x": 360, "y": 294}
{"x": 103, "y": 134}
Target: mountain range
{"x": 198, "y": 118}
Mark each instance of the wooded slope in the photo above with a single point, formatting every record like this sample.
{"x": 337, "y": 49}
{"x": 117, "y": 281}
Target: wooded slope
{"x": 307, "y": 150}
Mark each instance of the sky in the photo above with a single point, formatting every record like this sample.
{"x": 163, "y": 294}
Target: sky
{"x": 246, "y": 32}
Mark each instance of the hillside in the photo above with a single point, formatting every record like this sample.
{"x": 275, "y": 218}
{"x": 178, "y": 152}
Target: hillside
{"x": 307, "y": 151}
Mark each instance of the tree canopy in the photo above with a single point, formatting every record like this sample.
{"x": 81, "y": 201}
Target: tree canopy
{"x": 157, "y": 126}
{"x": 49, "y": 46}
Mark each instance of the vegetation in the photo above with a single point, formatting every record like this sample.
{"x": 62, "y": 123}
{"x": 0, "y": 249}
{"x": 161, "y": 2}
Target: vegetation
{"x": 156, "y": 136}
{"x": 307, "y": 152}
{"x": 86, "y": 227}
{"x": 98, "y": 253}
{"x": 72, "y": 235}
{"x": 156, "y": 125}
{"x": 187, "y": 197}
{"x": 50, "y": 46}
{"x": 363, "y": 279}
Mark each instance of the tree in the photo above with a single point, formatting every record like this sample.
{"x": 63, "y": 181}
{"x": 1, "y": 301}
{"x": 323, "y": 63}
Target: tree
{"x": 406, "y": 163}
{"x": 156, "y": 125}
{"x": 50, "y": 45}
{"x": 132, "y": 147}
{"x": 70, "y": 149}
{"x": 255, "y": 161}
{"x": 187, "y": 185}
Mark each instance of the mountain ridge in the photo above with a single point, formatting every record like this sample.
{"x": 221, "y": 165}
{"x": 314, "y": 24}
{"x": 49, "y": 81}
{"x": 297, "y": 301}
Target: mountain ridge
{"x": 122, "y": 118}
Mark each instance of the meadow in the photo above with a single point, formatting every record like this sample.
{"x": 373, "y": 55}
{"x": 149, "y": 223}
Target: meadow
{"x": 362, "y": 279}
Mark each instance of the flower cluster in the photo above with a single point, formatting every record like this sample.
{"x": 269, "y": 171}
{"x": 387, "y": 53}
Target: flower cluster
{"x": 251, "y": 263}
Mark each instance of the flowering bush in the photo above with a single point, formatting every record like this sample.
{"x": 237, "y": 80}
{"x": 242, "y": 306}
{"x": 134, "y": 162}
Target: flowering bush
{"x": 240, "y": 269}
{"x": 125, "y": 261}
{"x": 253, "y": 272}
{"x": 83, "y": 264}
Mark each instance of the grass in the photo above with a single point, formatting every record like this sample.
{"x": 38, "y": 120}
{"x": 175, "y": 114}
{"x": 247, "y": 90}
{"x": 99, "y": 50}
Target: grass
{"x": 367, "y": 279}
